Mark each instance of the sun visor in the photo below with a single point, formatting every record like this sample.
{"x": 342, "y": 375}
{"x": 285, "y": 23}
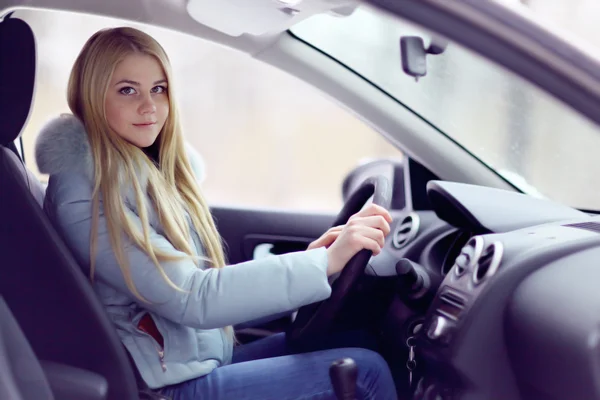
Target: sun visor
{"x": 258, "y": 17}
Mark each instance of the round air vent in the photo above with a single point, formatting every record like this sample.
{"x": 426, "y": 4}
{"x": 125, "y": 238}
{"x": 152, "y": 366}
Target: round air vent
{"x": 488, "y": 263}
{"x": 406, "y": 230}
{"x": 455, "y": 247}
{"x": 468, "y": 255}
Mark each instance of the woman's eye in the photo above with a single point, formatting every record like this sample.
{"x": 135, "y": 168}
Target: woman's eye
{"x": 159, "y": 89}
{"x": 127, "y": 91}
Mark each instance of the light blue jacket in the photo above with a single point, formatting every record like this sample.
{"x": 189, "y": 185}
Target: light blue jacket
{"x": 190, "y": 322}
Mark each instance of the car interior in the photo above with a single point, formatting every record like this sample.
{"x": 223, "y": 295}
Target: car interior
{"x": 482, "y": 291}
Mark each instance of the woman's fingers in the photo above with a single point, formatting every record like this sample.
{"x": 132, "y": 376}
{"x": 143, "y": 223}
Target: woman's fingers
{"x": 351, "y": 240}
{"x": 374, "y": 209}
{"x": 366, "y": 243}
{"x": 330, "y": 237}
{"x": 365, "y": 230}
{"x": 373, "y": 221}
{"x": 373, "y": 234}
{"x": 327, "y": 238}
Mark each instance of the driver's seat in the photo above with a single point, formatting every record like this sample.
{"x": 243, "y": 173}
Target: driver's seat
{"x": 40, "y": 281}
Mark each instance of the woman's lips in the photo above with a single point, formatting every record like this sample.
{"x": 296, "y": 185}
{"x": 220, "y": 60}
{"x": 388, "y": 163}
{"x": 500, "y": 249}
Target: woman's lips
{"x": 145, "y": 124}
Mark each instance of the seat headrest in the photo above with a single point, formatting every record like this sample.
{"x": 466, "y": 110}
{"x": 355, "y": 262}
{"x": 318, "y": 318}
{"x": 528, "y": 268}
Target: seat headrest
{"x": 17, "y": 76}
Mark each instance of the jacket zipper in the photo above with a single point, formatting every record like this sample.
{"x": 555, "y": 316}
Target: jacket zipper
{"x": 161, "y": 356}
{"x": 159, "y": 349}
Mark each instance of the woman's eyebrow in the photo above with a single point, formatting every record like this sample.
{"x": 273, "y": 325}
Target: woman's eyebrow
{"x": 134, "y": 83}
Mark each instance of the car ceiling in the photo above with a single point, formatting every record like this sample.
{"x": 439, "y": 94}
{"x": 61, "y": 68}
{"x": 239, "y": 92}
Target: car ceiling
{"x": 171, "y": 14}
{"x": 383, "y": 113}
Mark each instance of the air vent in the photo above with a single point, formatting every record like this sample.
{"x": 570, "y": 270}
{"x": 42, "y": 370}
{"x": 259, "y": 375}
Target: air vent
{"x": 406, "y": 230}
{"x": 451, "y": 305}
{"x": 459, "y": 241}
{"x": 588, "y": 226}
{"x": 488, "y": 263}
{"x": 468, "y": 255}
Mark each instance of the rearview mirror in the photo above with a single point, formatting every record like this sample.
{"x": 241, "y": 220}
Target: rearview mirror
{"x": 413, "y": 54}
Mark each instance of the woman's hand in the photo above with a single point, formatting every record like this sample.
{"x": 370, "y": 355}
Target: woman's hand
{"x": 365, "y": 230}
{"x": 327, "y": 238}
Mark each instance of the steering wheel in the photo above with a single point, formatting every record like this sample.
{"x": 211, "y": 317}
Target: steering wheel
{"x": 317, "y": 318}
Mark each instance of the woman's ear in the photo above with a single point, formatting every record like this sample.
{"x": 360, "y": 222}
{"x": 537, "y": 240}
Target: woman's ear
{"x": 196, "y": 162}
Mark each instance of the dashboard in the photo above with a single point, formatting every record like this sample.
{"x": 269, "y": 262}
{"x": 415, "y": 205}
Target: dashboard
{"x": 512, "y": 304}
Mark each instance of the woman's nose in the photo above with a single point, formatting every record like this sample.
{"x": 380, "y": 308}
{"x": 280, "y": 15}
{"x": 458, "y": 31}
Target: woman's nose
{"x": 147, "y": 106}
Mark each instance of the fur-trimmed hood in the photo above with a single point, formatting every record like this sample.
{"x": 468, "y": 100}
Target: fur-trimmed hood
{"x": 63, "y": 146}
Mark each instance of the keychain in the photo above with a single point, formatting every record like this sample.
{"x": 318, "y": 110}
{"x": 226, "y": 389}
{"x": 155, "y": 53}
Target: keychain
{"x": 411, "y": 363}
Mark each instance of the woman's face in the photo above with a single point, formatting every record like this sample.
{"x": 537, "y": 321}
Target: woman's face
{"x": 137, "y": 101}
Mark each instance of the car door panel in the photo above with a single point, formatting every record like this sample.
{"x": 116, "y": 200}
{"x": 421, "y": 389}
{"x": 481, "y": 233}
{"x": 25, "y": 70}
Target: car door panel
{"x": 279, "y": 232}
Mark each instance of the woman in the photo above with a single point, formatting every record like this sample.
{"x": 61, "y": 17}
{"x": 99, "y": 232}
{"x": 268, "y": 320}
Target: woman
{"x": 123, "y": 192}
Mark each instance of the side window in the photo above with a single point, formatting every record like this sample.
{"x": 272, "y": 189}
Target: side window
{"x": 268, "y": 140}
{"x": 19, "y": 146}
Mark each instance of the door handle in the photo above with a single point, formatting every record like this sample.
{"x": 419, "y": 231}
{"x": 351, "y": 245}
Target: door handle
{"x": 262, "y": 250}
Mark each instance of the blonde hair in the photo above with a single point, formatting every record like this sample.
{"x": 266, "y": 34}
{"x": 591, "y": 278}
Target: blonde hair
{"x": 172, "y": 187}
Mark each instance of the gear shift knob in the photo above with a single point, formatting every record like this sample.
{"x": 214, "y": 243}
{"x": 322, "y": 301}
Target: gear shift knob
{"x": 343, "y": 374}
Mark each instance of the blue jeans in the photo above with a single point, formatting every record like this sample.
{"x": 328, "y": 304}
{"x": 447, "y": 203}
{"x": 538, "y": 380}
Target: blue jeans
{"x": 266, "y": 370}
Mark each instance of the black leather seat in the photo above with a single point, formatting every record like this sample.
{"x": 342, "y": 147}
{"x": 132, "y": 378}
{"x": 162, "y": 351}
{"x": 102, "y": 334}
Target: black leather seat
{"x": 24, "y": 377}
{"x": 16, "y": 357}
{"x": 40, "y": 281}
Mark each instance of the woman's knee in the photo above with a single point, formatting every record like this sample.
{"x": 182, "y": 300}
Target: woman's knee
{"x": 367, "y": 358}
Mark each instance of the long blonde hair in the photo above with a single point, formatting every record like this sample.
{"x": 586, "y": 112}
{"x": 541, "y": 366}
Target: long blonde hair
{"x": 171, "y": 186}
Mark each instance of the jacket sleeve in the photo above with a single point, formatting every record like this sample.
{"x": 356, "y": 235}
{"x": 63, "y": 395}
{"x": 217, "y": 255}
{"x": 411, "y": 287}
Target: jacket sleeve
{"x": 209, "y": 298}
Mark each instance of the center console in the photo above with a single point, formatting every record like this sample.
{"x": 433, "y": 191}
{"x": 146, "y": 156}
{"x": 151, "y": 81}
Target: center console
{"x": 462, "y": 344}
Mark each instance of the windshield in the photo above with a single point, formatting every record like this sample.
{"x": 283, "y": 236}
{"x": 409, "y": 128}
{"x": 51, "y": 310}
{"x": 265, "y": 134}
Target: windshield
{"x": 573, "y": 20}
{"x": 536, "y": 142}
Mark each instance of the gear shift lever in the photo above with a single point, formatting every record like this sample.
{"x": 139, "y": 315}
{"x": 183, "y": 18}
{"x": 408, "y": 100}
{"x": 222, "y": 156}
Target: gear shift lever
{"x": 343, "y": 375}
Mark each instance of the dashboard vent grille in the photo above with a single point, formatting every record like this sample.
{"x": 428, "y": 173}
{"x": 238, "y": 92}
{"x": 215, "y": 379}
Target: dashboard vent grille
{"x": 451, "y": 305}
{"x": 588, "y": 226}
{"x": 406, "y": 230}
{"x": 460, "y": 240}
{"x": 488, "y": 263}
{"x": 468, "y": 256}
